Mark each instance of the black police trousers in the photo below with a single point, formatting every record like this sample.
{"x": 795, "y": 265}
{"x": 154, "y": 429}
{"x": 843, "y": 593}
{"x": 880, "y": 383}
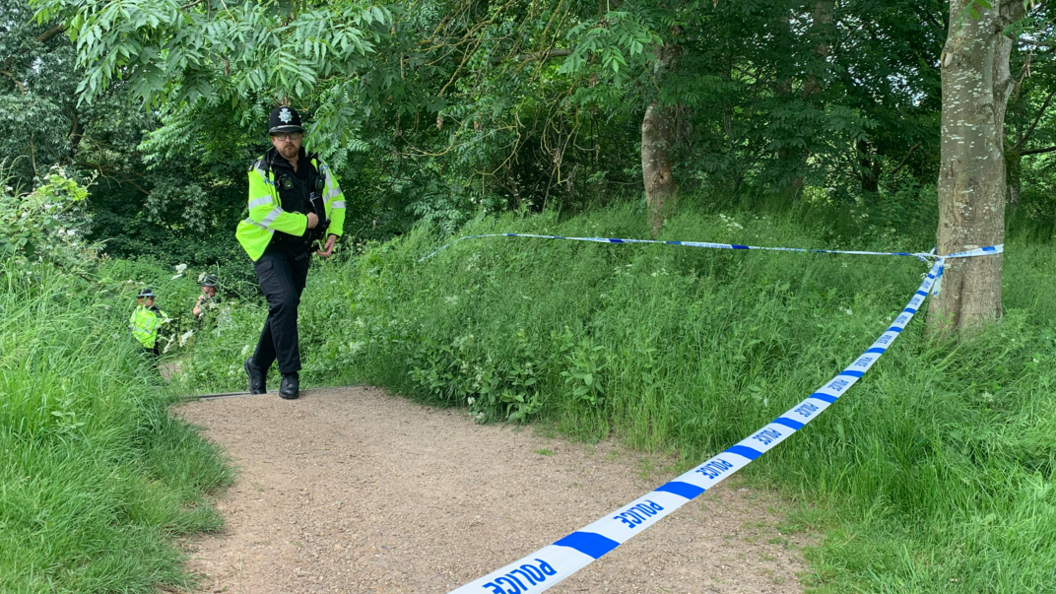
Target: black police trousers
{"x": 282, "y": 277}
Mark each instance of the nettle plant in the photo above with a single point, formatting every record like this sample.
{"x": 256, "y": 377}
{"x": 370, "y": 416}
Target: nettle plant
{"x": 464, "y": 371}
{"x": 585, "y": 362}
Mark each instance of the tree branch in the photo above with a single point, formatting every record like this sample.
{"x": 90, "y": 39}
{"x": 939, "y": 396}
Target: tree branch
{"x": 1037, "y": 119}
{"x": 52, "y": 32}
{"x": 1035, "y": 43}
{"x": 1051, "y": 149}
{"x": 544, "y": 55}
{"x": 8, "y": 74}
{"x": 904, "y": 159}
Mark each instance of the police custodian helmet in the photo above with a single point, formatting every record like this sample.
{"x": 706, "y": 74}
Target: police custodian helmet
{"x": 284, "y": 119}
{"x": 208, "y": 280}
{"x": 145, "y": 294}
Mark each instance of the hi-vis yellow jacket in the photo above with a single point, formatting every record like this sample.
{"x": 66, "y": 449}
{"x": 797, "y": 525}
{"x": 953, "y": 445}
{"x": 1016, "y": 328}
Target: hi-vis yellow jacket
{"x": 265, "y": 209}
{"x": 145, "y": 323}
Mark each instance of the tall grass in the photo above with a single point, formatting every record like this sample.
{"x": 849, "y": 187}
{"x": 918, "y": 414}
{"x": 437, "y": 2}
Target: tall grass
{"x": 933, "y": 474}
{"x": 95, "y": 477}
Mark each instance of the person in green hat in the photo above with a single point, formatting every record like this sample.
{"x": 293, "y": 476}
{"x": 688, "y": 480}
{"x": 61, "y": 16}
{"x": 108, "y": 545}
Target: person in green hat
{"x": 209, "y": 300}
{"x": 146, "y": 321}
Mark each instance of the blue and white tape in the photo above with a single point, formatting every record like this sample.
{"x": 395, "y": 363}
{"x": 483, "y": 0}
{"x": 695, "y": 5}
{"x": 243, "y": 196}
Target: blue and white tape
{"x": 983, "y": 251}
{"x": 923, "y": 256}
{"x": 550, "y": 565}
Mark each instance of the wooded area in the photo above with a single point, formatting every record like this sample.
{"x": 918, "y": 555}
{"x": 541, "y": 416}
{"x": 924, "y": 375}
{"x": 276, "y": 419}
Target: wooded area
{"x": 912, "y": 114}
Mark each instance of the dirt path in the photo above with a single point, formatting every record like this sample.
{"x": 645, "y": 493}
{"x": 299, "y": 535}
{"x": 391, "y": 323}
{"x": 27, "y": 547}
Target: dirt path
{"x": 353, "y": 490}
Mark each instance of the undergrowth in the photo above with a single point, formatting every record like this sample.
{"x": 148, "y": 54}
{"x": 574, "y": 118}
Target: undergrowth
{"x": 96, "y": 478}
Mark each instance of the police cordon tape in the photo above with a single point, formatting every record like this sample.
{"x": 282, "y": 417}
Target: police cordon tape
{"x": 923, "y": 256}
{"x": 551, "y": 564}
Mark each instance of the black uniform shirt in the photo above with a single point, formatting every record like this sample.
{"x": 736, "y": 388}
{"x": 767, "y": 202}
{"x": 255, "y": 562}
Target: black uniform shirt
{"x": 295, "y": 189}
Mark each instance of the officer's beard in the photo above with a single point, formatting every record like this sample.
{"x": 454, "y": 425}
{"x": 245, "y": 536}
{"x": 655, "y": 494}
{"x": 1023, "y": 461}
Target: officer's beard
{"x": 290, "y": 151}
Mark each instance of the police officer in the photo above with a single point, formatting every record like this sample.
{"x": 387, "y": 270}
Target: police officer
{"x": 146, "y": 320}
{"x": 208, "y": 300}
{"x": 294, "y": 199}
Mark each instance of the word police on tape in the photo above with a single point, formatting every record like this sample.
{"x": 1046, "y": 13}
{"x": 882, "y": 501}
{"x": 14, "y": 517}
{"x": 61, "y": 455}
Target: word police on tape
{"x": 551, "y": 564}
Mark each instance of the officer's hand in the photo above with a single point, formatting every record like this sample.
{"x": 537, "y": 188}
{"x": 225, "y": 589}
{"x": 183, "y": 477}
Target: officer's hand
{"x": 313, "y": 220}
{"x": 329, "y": 247}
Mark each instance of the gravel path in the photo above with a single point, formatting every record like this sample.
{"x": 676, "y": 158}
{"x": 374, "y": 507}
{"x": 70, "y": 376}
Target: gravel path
{"x": 353, "y": 490}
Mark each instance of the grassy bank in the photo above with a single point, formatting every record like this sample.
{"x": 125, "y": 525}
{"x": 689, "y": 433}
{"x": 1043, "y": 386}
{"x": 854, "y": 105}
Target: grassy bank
{"x": 96, "y": 479}
{"x": 933, "y": 474}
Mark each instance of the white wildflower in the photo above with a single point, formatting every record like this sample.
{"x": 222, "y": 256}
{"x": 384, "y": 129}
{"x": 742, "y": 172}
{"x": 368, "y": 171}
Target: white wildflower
{"x": 185, "y": 337}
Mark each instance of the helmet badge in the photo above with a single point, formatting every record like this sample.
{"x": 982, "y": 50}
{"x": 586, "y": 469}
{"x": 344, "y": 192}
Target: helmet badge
{"x": 285, "y": 115}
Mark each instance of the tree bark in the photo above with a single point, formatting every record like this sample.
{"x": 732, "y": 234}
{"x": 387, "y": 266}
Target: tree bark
{"x": 976, "y": 85}
{"x": 868, "y": 168}
{"x": 821, "y": 34}
{"x": 661, "y": 192}
{"x": 658, "y": 136}
{"x": 821, "y": 29}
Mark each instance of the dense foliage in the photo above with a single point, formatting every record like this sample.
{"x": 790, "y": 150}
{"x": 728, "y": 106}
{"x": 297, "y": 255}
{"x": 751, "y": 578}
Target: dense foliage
{"x": 435, "y": 111}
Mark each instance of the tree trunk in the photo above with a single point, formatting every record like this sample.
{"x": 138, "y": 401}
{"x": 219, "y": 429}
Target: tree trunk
{"x": 661, "y": 192}
{"x": 658, "y": 136}
{"x": 976, "y": 83}
{"x": 821, "y": 33}
{"x": 869, "y": 168}
{"x": 1013, "y": 170}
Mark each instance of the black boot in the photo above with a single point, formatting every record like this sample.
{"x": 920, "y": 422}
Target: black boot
{"x": 290, "y": 386}
{"x": 257, "y": 377}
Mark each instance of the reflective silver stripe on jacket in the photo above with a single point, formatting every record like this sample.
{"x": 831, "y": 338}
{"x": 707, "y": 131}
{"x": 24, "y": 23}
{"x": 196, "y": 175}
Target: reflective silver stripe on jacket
{"x": 261, "y": 225}
{"x": 338, "y": 204}
{"x": 260, "y": 202}
{"x": 274, "y": 214}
